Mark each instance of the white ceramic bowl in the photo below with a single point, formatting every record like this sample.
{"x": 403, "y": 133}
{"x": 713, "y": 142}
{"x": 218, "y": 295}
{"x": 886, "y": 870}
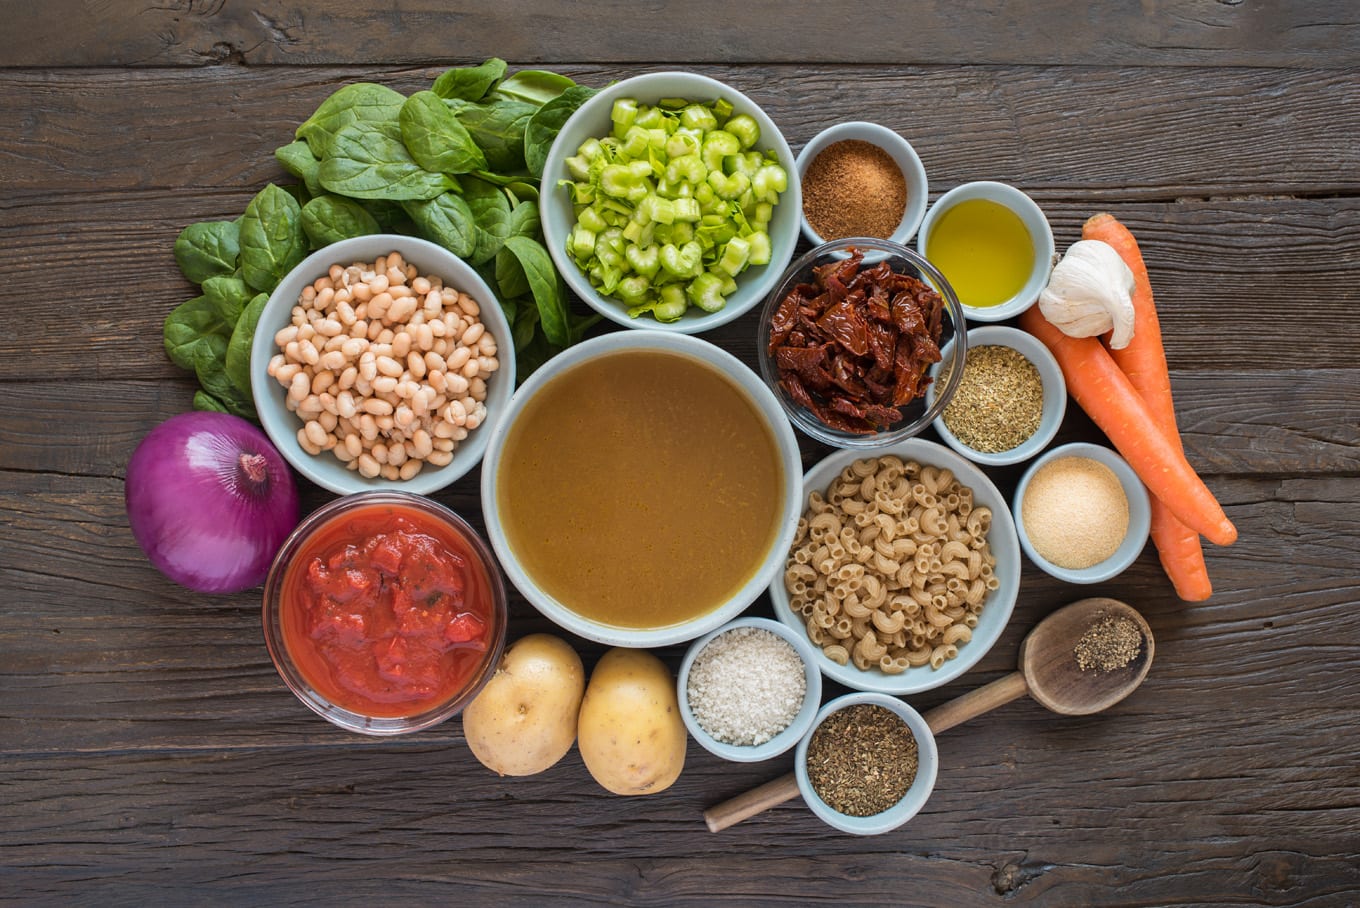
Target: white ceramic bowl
{"x": 790, "y": 496}
{"x": 927, "y": 767}
{"x": 913, "y": 171}
{"x": 1035, "y": 222}
{"x": 996, "y": 611}
{"x": 1140, "y": 514}
{"x": 592, "y": 120}
{"x": 1055, "y": 394}
{"x": 282, "y": 426}
{"x": 796, "y": 729}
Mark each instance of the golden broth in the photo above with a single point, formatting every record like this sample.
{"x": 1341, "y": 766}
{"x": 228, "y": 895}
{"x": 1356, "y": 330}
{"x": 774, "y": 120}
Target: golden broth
{"x": 640, "y": 489}
{"x": 984, "y": 249}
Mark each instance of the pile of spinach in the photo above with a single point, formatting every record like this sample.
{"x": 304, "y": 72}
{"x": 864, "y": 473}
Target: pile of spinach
{"x": 458, "y": 164}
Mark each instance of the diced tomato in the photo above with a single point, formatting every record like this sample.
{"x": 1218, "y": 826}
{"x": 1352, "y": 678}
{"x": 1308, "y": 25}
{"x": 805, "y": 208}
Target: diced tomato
{"x": 466, "y": 628}
{"x": 386, "y": 555}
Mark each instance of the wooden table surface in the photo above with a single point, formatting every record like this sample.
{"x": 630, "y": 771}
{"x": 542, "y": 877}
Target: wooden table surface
{"x": 149, "y": 750}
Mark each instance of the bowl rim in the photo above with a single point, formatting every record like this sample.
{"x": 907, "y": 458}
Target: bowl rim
{"x": 760, "y": 397}
{"x": 807, "y": 423}
{"x": 296, "y": 680}
{"x": 792, "y": 733}
{"x": 1054, "y": 403}
{"x": 1028, "y": 210}
{"x": 268, "y": 395}
{"x": 1001, "y": 538}
{"x": 927, "y": 769}
{"x": 902, "y": 152}
{"x": 1140, "y": 514}
{"x": 783, "y": 245}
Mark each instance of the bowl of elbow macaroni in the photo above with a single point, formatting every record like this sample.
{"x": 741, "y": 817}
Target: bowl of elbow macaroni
{"x": 904, "y": 569}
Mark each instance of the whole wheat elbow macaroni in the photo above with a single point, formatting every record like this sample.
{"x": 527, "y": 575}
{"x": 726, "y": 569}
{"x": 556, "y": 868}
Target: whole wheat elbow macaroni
{"x": 890, "y": 566}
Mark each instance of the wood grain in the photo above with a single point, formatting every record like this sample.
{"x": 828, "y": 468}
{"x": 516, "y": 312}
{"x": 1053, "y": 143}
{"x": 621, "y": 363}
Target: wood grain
{"x": 149, "y": 753}
{"x": 1320, "y": 34}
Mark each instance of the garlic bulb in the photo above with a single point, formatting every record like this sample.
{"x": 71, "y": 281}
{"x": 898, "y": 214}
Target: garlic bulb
{"x": 1088, "y": 293}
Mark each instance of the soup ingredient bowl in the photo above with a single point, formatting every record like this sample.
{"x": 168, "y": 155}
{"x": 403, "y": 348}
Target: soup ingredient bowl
{"x": 632, "y": 486}
{"x": 903, "y": 157}
{"x": 356, "y": 416}
{"x": 1139, "y": 514}
{"x": 593, "y": 120}
{"x": 1008, "y": 261}
{"x": 343, "y": 583}
{"x": 815, "y": 403}
{"x": 1053, "y": 405}
{"x": 997, "y": 604}
{"x": 755, "y": 687}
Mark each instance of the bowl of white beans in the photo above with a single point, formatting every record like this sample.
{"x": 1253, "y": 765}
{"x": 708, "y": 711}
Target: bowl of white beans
{"x": 382, "y": 362}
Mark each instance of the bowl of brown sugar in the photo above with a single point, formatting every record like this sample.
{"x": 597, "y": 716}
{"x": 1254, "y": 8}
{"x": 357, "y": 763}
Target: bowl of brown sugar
{"x": 861, "y": 179}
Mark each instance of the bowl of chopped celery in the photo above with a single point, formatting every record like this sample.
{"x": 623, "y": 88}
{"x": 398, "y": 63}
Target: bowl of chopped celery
{"x": 670, "y": 201}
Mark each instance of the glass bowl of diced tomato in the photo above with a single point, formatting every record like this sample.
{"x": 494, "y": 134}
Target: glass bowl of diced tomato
{"x": 385, "y": 613}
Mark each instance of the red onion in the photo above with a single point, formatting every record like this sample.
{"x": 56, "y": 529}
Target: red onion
{"x": 210, "y": 501}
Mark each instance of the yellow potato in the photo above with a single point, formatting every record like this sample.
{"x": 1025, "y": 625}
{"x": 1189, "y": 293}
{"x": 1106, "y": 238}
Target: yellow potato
{"x": 524, "y": 720}
{"x": 632, "y": 736}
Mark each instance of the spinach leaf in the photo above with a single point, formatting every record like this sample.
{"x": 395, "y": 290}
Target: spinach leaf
{"x": 361, "y": 102}
{"x": 498, "y": 129}
{"x": 228, "y": 296}
{"x": 207, "y": 249}
{"x": 237, "y": 359}
{"x": 212, "y": 376}
{"x": 524, "y": 325}
{"x": 510, "y": 278}
{"x": 533, "y": 86}
{"x": 389, "y": 215}
{"x": 534, "y": 354}
{"x": 369, "y": 161}
{"x": 297, "y": 159}
{"x": 523, "y": 192}
{"x": 205, "y": 401}
{"x": 549, "y": 293}
{"x": 448, "y": 220}
{"x": 435, "y": 137}
{"x": 544, "y": 125}
{"x": 272, "y": 238}
{"x": 194, "y": 325}
{"x": 471, "y": 83}
{"x": 491, "y": 212}
{"x": 332, "y": 218}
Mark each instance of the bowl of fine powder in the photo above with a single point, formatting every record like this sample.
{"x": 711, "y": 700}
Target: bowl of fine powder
{"x": 749, "y": 690}
{"x": 1082, "y": 513}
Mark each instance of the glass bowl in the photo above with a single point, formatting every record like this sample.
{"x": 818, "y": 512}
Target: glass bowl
{"x": 318, "y": 678}
{"x": 916, "y": 414}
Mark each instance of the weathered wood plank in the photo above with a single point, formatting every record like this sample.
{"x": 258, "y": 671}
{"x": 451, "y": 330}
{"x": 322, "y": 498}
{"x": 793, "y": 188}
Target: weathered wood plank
{"x": 1309, "y": 422}
{"x": 308, "y": 823}
{"x": 102, "y": 653}
{"x": 1101, "y": 132}
{"x": 1241, "y": 284}
{"x": 71, "y": 33}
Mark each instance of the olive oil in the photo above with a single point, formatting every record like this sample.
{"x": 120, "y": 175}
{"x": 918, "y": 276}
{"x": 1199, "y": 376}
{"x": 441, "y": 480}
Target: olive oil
{"x": 984, "y": 250}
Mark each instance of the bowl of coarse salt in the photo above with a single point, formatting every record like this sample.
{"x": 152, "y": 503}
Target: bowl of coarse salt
{"x": 750, "y": 690}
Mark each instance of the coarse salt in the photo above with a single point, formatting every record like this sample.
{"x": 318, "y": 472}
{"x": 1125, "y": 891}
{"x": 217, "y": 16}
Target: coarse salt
{"x": 746, "y": 686}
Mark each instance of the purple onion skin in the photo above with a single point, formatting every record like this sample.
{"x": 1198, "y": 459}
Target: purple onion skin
{"x": 210, "y": 501}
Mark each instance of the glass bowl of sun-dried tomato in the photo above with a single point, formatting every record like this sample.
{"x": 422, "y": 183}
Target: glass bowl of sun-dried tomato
{"x": 848, "y": 337}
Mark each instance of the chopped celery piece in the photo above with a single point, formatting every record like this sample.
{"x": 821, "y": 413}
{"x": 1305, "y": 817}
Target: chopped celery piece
{"x": 591, "y": 220}
{"x": 635, "y": 142}
{"x": 632, "y": 290}
{"x": 722, "y": 109}
{"x": 654, "y": 209}
{"x": 728, "y": 187}
{"x": 582, "y": 242}
{"x": 644, "y": 260}
{"x": 760, "y": 248}
{"x": 623, "y": 114}
{"x": 705, "y": 291}
{"x": 745, "y": 128}
{"x": 734, "y": 256}
{"x": 718, "y": 145}
{"x": 673, "y": 303}
{"x": 696, "y": 116}
{"x": 679, "y": 144}
{"x": 683, "y": 261}
{"x": 769, "y": 181}
{"x": 683, "y": 209}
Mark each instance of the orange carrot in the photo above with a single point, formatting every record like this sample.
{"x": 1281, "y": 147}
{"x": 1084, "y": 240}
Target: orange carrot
{"x": 1144, "y": 362}
{"x": 1106, "y": 395}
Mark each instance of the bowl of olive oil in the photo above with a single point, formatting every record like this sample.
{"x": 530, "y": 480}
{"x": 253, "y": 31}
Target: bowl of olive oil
{"x": 994, "y": 245}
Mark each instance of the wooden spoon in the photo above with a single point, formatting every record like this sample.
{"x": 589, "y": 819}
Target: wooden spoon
{"x": 1048, "y": 672}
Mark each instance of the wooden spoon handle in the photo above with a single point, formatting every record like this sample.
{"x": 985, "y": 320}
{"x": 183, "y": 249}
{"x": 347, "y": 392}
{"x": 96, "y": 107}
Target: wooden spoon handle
{"x": 975, "y": 703}
{"x": 749, "y": 803}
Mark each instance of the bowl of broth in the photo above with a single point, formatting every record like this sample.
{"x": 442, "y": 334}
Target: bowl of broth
{"x": 994, "y": 246}
{"x": 642, "y": 488}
